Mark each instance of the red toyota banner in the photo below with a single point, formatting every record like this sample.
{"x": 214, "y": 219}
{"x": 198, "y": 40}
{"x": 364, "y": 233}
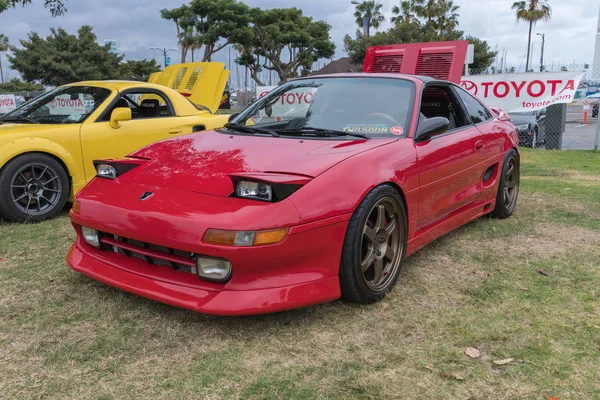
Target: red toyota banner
{"x": 523, "y": 92}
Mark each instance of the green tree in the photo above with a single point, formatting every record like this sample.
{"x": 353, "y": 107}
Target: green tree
{"x": 286, "y": 42}
{"x": 134, "y": 70}
{"x": 446, "y": 16}
{"x": 405, "y": 13}
{"x": 4, "y": 47}
{"x": 56, "y": 7}
{"x": 531, "y": 11}
{"x": 484, "y": 56}
{"x": 369, "y": 10}
{"x": 210, "y": 25}
{"x": 15, "y": 85}
{"x": 61, "y": 58}
{"x": 185, "y": 21}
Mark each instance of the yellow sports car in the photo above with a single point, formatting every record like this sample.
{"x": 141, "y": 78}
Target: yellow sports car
{"x": 48, "y": 145}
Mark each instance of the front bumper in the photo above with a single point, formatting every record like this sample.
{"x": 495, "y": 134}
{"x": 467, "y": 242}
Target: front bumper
{"x": 301, "y": 270}
{"x": 224, "y": 302}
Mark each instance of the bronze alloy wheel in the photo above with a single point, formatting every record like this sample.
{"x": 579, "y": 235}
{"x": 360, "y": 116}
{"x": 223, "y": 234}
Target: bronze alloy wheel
{"x": 511, "y": 184}
{"x": 382, "y": 244}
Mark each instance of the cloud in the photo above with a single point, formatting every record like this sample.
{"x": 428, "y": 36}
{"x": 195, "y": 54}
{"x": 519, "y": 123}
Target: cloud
{"x": 137, "y": 26}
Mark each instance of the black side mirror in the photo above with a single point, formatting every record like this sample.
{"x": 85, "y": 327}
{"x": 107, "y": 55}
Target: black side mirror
{"x": 232, "y": 117}
{"x": 430, "y": 127}
{"x": 268, "y": 110}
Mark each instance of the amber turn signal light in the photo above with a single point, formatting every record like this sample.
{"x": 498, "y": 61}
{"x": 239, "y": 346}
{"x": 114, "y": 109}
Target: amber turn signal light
{"x": 76, "y": 207}
{"x": 245, "y": 238}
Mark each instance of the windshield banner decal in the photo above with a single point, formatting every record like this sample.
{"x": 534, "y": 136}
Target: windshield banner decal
{"x": 7, "y": 103}
{"x": 523, "y": 92}
{"x": 65, "y": 105}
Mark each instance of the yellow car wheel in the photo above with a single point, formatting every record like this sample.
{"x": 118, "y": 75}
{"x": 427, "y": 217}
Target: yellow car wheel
{"x": 33, "y": 187}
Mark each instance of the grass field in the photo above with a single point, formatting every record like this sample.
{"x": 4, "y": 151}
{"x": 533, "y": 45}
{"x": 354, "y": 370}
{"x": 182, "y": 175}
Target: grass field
{"x": 525, "y": 289}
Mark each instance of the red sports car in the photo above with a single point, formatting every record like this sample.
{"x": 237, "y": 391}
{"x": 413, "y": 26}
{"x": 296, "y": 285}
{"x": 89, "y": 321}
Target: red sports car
{"x": 316, "y": 192}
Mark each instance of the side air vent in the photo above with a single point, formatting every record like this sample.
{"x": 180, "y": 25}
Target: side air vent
{"x": 193, "y": 79}
{"x": 439, "y": 60}
{"x": 436, "y": 65}
{"x": 179, "y": 78}
{"x": 388, "y": 64}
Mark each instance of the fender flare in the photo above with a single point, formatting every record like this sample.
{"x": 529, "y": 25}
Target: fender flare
{"x": 17, "y": 147}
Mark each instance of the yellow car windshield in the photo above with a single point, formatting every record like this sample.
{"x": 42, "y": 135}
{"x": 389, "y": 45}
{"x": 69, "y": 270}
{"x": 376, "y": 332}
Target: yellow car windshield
{"x": 63, "y": 105}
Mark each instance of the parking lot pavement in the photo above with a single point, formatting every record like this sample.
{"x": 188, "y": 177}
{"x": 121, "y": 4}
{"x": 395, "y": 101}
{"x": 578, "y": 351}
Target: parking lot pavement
{"x": 579, "y": 136}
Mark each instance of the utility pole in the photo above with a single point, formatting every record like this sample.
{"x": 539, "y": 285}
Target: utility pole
{"x": 543, "y": 36}
{"x": 164, "y": 52}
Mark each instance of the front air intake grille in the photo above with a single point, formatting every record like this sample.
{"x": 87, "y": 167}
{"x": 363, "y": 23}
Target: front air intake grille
{"x": 152, "y": 254}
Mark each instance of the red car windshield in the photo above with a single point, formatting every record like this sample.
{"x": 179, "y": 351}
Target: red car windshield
{"x": 371, "y": 106}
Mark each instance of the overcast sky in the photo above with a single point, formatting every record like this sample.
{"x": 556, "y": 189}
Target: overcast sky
{"x": 137, "y": 26}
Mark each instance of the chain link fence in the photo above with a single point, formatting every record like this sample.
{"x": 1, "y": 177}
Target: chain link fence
{"x": 572, "y": 126}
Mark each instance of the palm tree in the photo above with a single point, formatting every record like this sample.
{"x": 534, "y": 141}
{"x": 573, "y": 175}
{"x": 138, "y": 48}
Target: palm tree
{"x": 426, "y": 9}
{"x": 447, "y": 16}
{"x": 405, "y": 13}
{"x": 532, "y": 11}
{"x": 369, "y": 10}
{"x": 4, "y": 46}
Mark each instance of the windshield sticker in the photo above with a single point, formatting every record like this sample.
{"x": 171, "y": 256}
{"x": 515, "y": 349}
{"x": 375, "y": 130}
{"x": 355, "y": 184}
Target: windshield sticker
{"x": 366, "y": 128}
{"x": 397, "y": 130}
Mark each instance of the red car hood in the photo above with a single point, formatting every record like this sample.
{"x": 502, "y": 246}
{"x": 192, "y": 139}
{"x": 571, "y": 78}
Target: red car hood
{"x": 203, "y": 162}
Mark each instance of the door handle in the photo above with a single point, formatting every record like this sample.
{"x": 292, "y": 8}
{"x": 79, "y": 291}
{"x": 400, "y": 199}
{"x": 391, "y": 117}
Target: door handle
{"x": 479, "y": 145}
{"x": 174, "y": 132}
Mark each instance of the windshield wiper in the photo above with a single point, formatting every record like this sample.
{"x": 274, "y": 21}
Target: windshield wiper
{"x": 19, "y": 118}
{"x": 324, "y": 132}
{"x": 251, "y": 129}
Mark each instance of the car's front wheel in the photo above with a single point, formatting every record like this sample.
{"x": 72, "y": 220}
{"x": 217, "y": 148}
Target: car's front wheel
{"x": 33, "y": 187}
{"x": 374, "y": 246}
{"x": 508, "y": 187}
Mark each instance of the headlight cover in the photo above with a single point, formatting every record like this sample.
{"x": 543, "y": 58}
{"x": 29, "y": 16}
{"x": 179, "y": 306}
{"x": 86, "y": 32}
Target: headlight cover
{"x": 106, "y": 171}
{"x": 254, "y": 190}
{"x": 111, "y": 169}
{"x": 522, "y": 127}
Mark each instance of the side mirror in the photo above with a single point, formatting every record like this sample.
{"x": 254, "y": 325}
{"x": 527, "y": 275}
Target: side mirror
{"x": 118, "y": 115}
{"x": 232, "y": 117}
{"x": 430, "y": 127}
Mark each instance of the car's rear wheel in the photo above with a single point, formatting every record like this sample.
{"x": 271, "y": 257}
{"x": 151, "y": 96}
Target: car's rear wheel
{"x": 33, "y": 187}
{"x": 374, "y": 246}
{"x": 508, "y": 188}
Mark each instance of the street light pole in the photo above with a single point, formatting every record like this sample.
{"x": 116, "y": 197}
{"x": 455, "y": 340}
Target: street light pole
{"x": 543, "y": 36}
{"x": 164, "y": 52}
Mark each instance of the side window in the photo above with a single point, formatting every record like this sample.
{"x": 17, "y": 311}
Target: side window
{"x": 440, "y": 101}
{"x": 475, "y": 109}
{"x": 142, "y": 105}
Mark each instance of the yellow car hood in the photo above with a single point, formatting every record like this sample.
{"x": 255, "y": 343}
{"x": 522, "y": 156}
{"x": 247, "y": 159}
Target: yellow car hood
{"x": 202, "y": 82}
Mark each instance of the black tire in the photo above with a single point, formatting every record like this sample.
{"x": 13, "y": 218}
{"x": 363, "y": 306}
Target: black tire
{"x": 353, "y": 283}
{"x": 509, "y": 180}
{"x": 25, "y": 197}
